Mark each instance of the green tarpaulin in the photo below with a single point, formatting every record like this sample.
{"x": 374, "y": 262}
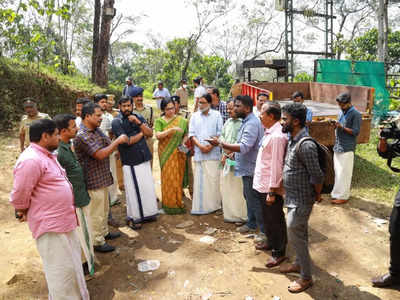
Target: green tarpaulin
{"x": 362, "y": 73}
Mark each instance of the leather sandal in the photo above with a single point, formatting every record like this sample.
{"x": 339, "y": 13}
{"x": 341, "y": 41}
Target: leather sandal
{"x": 299, "y": 285}
{"x": 134, "y": 226}
{"x": 339, "y": 201}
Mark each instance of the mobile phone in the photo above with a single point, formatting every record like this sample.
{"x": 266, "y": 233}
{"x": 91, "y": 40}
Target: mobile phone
{"x": 17, "y": 215}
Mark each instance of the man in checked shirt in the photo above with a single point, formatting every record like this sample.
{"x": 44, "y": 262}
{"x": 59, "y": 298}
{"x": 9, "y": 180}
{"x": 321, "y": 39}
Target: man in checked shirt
{"x": 93, "y": 148}
{"x": 302, "y": 181}
{"x": 218, "y": 104}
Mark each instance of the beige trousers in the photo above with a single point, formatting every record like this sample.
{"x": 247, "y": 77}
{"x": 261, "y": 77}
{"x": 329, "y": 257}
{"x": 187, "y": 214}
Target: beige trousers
{"x": 98, "y": 212}
{"x": 120, "y": 175}
{"x": 150, "y": 144}
{"x": 113, "y": 189}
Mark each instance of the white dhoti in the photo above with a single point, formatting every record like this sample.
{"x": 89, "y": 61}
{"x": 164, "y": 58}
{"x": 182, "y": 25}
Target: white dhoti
{"x": 62, "y": 264}
{"x": 233, "y": 202}
{"x": 206, "y": 190}
{"x": 158, "y": 104}
{"x": 113, "y": 189}
{"x": 343, "y": 164}
{"x": 84, "y": 230}
{"x": 141, "y": 199}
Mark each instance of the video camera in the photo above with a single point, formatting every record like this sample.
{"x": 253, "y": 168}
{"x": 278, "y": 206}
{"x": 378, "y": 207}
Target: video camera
{"x": 391, "y": 130}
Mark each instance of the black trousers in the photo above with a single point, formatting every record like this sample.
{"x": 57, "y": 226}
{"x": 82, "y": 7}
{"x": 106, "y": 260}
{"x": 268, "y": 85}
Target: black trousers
{"x": 394, "y": 230}
{"x": 274, "y": 224}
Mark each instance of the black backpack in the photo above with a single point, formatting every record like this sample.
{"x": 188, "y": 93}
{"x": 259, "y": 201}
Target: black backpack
{"x": 325, "y": 158}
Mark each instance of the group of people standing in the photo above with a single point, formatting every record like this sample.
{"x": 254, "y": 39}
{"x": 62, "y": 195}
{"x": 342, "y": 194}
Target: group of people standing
{"x": 250, "y": 166}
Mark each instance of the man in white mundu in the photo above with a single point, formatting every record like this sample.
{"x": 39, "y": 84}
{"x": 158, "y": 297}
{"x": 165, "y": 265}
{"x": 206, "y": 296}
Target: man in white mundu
{"x": 43, "y": 196}
{"x": 205, "y": 124}
{"x": 136, "y": 157}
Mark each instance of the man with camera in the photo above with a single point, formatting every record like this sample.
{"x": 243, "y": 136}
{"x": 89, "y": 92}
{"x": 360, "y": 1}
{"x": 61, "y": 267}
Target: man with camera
{"x": 385, "y": 150}
{"x": 347, "y": 129}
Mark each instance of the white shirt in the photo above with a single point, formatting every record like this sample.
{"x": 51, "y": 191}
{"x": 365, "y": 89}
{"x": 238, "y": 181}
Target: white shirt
{"x": 256, "y": 112}
{"x": 78, "y": 121}
{"x": 105, "y": 125}
{"x": 203, "y": 127}
{"x": 162, "y": 93}
{"x": 200, "y": 91}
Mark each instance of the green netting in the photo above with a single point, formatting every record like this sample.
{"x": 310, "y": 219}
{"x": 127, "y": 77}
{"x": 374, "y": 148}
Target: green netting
{"x": 334, "y": 71}
{"x": 362, "y": 73}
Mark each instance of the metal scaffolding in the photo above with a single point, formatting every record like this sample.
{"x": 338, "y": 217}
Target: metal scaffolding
{"x": 289, "y": 39}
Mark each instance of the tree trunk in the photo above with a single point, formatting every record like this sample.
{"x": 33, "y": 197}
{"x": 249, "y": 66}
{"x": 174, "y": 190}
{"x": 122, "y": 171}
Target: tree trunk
{"x": 96, "y": 36}
{"x": 101, "y": 72}
{"x": 188, "y": 58}
{"x": 382, "y": 30}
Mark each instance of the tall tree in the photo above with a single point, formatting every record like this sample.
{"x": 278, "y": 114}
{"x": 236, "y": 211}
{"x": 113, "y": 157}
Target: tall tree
{"x": 207, "y": 12}
{"x": 101, "y": 71}
{"x": 383, "y": 29}
{"x": 96, "y": 36}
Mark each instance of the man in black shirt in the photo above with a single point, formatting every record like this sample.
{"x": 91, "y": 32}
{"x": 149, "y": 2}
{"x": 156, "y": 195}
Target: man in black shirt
{"x": 135, "y": 156}
{"x": 393, "y": 277}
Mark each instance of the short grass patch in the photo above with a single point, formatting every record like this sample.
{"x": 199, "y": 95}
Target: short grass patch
{"x": 372, "y": 179}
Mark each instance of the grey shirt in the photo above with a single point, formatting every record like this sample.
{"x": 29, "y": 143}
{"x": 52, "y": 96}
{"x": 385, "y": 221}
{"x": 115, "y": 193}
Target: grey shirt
{"x": 345, "y": 142}
{"x": 301, "y": 171}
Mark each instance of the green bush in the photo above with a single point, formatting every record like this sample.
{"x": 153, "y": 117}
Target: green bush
{"x": 55, "y": 92}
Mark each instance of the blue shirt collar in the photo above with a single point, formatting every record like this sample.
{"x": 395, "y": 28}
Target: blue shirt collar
{"x": 250, "y": 115}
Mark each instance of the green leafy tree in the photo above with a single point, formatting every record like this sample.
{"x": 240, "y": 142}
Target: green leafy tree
{"x": 365, "y": 47}
{"x": 123, "y": 57}
{"x": 303, "y": 77}
{"x": 42, "y": 31}
{"x": 147, "y": 66}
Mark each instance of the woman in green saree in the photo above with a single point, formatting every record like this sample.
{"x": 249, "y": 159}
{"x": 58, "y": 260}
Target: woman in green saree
{"x": 171, "y": 133}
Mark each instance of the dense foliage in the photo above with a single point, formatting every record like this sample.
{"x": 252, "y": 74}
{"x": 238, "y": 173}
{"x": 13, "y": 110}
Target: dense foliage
{"x": 148, "y": 66}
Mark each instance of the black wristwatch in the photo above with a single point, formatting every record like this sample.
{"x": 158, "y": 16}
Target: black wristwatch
{"x": 271, "y": 194}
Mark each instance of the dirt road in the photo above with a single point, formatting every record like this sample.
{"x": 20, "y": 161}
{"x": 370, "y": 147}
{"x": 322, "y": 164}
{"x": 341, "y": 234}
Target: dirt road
{"x": 347, "y": 246}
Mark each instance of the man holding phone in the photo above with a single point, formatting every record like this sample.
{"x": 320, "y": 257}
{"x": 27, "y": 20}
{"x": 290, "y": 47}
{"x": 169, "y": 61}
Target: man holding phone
{"x": 347, "y": 129}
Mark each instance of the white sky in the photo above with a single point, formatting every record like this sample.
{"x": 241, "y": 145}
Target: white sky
{"x": 166, "y": 18}
{"x": 169, "y": 19}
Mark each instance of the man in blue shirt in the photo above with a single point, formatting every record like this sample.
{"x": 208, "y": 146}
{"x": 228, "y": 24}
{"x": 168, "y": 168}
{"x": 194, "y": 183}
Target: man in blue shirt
{"x": 246, "y": 150}
{"x": 298, "y": 97}
{"x": 346, "y": 131}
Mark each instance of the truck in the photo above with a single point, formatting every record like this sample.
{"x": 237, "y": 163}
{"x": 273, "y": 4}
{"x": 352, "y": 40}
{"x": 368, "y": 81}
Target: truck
{"x": 321, "y": 99}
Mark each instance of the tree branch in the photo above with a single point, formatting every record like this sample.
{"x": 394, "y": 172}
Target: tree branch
{"x": 276, "y": 49}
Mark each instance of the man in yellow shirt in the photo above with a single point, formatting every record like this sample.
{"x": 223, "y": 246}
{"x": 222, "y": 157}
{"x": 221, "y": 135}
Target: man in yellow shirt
{"x": 110, "y": 106}
{"x": 183, "y": 94}
{"x": 32, "y": 114}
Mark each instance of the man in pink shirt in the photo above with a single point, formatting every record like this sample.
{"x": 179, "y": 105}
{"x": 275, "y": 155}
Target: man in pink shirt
{"x": 267, "y": 182}
{"x": 43, "y": 196}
